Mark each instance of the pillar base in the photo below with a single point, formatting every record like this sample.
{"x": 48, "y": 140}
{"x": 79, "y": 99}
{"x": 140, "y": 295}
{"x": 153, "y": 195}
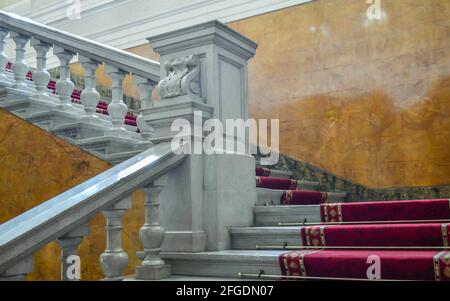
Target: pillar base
{"x": 144, "y": 272}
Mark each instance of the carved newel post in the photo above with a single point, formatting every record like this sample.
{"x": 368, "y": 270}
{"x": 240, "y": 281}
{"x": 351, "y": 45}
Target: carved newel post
{"x": 41, "y": 77}
{"x": 114, "y": 259}
{"x": 152, "y": 236}
{"x": 204, "y": 70}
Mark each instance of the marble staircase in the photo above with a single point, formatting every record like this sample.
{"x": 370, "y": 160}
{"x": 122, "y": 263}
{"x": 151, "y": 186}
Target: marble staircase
{"x": 244, "y": 255}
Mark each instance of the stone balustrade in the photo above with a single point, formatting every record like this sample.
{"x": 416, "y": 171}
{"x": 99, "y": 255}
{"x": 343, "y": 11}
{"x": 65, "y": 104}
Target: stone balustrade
{"x": 204, "y": 70}
{"x": 65, "y": 219}
{"x": 67, "y": 48}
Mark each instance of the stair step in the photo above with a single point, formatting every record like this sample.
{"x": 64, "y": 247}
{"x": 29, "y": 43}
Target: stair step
{"x": 268, "y": 197}
{"x": 190, "y": 278}
{"x": 25, "y": 106}
{"x": 226, "y": 263}
{"x": 284, "y": 183}
{"x": 120, "y": 157}
{"x": 272, "y": 215}
{"x": 247, "y": 238}
{"x": 106, "y": 145}
{"x": 276, "y": 173}
{"x": 51, "y": 118}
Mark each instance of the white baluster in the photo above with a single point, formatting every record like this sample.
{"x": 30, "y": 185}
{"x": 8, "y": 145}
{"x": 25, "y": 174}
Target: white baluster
{"x": 4, "y": 79}
{"x": 64, "y": 85}
{"x": 145, "y": 90}
{"x": 117, "y": 109}
{"x": 114, "y": 260}
{"x": 19, "y": 271}
{"x": 152, "y": 236}
{"x": 20, "y": 67}
{"x": 89, "y": 97}
{"x": 41, "y": 77}
{"x": 70, "y": 270}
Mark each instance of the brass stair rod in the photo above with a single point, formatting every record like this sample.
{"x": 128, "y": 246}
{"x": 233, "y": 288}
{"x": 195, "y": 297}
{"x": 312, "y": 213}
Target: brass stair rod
{"x": 365, "y": 222}
{"x": 281, "y": 277}
{"x": 285, "y": 247}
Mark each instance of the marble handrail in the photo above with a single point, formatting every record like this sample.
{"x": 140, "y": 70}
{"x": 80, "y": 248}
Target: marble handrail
{"x": 64, "y": 214}
{"x": 120, "y": 59}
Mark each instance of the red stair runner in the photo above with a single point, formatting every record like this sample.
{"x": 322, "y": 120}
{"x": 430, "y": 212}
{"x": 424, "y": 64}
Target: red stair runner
{"x": 383, "y": 235}
{"x": 262, "y": 172}
{"x": 303, "y": 197}
{"x": 275, "y": 183}
{"x": 386, "y": 211}
{"x": 377, "y": 225}
{"x": 395, "y": 265}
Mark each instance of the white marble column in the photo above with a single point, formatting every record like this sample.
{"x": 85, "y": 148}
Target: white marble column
{"x": 152, "y": 236}
{"x": 41, "y": 77}
{"x": 114, "y": 259}
{"x": 20, "y": 67}
{"x": 145, "y": 87}
{"x": 117, "y": 109}
{"x": 64, "y": 85}
{"x": 4, "y": 79}
{"x": 69, "y": 245}
{"x": 89, "y": 96}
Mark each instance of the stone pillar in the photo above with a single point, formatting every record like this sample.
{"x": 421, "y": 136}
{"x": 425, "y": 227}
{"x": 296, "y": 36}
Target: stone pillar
{"x": 5, "y": 81}
{"x": 41, "y": 77}
{"x": 20, "y": 67}
{"x": 152, "y": 236}
{"x": 145, "y": 87}
{"x": 117, "y": 109}
{"x": 89, "y": 96}
{"x": 64, "y": 85}
{"x": 115, "y": 260}
{"x": 69, "y": 246}
{"x": 204, "y": 68}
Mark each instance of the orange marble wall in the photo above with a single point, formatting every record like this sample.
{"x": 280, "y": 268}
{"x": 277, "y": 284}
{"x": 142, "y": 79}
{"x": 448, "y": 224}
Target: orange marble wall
{"x": 367, "y": 100}
{"x": 34, "y": 167}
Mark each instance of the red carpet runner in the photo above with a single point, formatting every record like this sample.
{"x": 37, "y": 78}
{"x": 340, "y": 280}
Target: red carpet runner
{"x": 275, "y": 183}
{"x": 386, "y": 211}
{"x": 386, "y": 235}
{"x": 303, "y": 197}
{"x": 395, "y": 265}
{"x": 354, "y": 259}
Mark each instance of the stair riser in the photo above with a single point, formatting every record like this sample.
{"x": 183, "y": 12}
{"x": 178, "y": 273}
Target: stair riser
{"x": 230, "y": 268}
{"x": 110, "y": 147}
{"x": 271, "y": 216}
{"x": 274, "y": 198}
{"x": 77, "y": 133}
{"x": 249, "y": 242}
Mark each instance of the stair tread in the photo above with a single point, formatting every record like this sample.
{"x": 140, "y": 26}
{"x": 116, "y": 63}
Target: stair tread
{"x": 227, "y": 255}
{"x": 110, "y": 138}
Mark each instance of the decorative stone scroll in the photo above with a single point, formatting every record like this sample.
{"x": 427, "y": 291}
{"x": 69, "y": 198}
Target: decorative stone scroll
{"x": 183, "y": 77}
